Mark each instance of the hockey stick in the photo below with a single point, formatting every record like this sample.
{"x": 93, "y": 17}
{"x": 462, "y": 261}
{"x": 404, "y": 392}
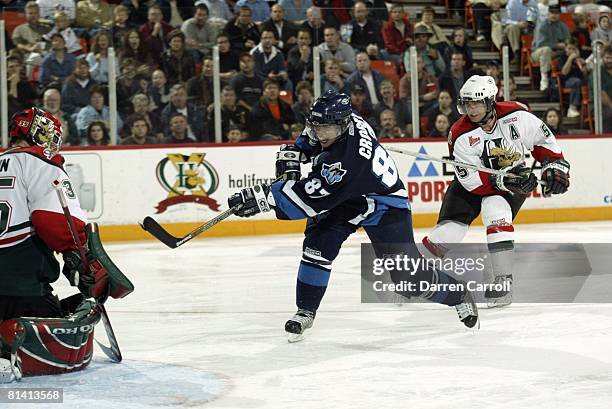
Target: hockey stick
{"x": 447, "y": 161}
{"x": 156, "y": 230}
{"x": 113, "y": 352}
{"x": 452, "y": 162}
{"x": 149, "y": 224}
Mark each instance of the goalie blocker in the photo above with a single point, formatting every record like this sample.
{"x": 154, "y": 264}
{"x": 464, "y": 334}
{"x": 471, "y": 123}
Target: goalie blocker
{"x": 43, "y": 346}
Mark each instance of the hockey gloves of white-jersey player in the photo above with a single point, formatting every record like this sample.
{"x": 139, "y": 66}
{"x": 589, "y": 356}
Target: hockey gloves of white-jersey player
{"x": 250, "y": 201}
{"x": 74, "y": 270}
{"x": 555, "y": 175}
{"x": 288, "y": 160}
{"x": 519, "y": 180}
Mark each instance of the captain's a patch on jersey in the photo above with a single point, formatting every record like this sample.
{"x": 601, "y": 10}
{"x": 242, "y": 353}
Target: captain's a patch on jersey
{"x": 333, "y": 173}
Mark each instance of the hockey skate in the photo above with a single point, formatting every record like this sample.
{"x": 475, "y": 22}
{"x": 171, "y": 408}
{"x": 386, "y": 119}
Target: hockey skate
{"x": 500, "y": 298}
{"x": 468, "y": 311}
{"x": 10, "y": 370}
{"x": 298, "y": 324}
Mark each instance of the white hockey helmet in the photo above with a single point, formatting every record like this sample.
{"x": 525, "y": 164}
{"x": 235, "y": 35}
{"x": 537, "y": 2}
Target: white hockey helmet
{"x": 478, "y": 88}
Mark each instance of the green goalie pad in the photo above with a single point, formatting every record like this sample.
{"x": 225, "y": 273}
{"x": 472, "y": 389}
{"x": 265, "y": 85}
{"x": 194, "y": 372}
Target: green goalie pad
{"x": 120, "y": 285}
{"x": 45, "y": 346}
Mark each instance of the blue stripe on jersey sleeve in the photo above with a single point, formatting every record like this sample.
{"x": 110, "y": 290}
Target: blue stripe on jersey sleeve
{"x": 392, "y": 201}
{"x": 283, "y": 203}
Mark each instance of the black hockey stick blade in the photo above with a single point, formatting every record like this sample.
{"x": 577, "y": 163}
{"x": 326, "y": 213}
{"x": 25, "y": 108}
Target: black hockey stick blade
{"x": 113, "y": 351}
{"x": 156, "y": 230}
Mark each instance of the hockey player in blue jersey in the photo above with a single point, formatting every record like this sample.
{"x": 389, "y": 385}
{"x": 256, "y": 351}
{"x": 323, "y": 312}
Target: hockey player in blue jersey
{"x": 353, "y": 183}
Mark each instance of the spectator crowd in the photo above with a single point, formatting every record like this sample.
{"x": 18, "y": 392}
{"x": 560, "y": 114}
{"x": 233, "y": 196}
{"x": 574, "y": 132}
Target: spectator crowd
{"x": 59, "y": 59}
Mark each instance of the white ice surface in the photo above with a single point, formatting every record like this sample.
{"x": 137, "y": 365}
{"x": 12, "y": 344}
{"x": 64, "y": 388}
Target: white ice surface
{"x": 204, "y": 328}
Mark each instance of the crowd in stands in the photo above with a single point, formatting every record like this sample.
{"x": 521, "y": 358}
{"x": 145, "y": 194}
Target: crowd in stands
{"x": 59, "y": 59}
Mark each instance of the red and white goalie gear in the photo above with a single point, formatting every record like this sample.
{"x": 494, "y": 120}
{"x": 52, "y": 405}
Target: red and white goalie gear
{"x": 45, "y": 346}
{"x": 35, "y": 208}
{"x": 515, "y": 132}
{"x": 102, "y": 277}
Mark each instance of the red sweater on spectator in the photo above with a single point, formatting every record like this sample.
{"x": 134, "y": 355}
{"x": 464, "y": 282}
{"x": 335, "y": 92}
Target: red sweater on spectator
{"x": 157, "y": 44}
{"x": 395, "y": 42}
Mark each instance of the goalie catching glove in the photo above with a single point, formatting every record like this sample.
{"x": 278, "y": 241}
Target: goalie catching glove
{"x": 251, "y": 200}
{"x": 555, "y": 175}
{"x": 103, "y": 277}
{"x": 93, "y": 283}
{"x": 519, "y": 180}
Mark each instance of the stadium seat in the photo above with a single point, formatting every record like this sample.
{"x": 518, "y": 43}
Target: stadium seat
{"x": 389, "y": 70}
{"x": 526, "y": 62}
{"x": 424, "y": 126}
{"x": 568, "y": 20}
{"x": 555, "y": 75}
{"x": 12, "y": 19}
{"x": 469, "y": 16}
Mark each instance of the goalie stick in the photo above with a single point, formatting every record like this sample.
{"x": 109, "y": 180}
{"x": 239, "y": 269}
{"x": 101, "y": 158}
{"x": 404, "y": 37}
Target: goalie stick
{"x": 113, "y": 352}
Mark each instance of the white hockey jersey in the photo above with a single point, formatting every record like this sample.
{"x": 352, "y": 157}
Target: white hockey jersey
{"x": 515, "y": 132}
{"x": 28, "y": 203}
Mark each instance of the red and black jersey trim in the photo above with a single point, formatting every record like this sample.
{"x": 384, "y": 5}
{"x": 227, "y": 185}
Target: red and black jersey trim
{"x": 37, "y": 156}
{"x": 19, "y": 226}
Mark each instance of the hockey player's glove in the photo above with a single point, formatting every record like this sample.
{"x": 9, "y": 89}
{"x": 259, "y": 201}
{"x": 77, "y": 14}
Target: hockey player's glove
{"x": 288, "y": 160}
{"x": 556, "y": 176}
{"x": 92, "y": 283}
{"x": 519, "y": 180}
{"x": 251, "y": 200}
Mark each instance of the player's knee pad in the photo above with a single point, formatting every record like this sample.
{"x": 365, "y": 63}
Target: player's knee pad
{"x": 47, "y": 346}
{"x": 446, "y": 232}
{"x": 497, "y": 218}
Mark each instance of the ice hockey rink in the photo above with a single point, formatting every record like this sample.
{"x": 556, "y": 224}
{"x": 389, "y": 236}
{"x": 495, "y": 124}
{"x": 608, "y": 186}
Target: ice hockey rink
{"x": 204, "y": 328}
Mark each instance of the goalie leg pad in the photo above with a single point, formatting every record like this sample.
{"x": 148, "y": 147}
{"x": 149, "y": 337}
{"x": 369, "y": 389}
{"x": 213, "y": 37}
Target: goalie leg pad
{"x": 58, "y": 345}
{"x": 105, "y": 272}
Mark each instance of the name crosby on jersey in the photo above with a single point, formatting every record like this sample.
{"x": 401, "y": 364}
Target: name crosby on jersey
{"x": 365, "y": 137}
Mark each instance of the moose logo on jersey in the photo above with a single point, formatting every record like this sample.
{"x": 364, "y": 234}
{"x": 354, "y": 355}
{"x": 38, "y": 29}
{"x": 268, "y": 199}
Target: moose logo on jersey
{"x": 190, "y": 179}
{"x": 497, "y": 155}
{"x": 333, "y": 173}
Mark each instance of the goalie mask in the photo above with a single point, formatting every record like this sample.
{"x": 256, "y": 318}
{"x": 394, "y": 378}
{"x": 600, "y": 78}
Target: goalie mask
{"x": 329, "y": 118}
{"x": 37, "y": 127}
{"x": 478, "y": 90}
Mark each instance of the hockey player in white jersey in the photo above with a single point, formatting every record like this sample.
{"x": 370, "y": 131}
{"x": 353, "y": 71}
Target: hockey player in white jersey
{"x": 495, "y": 135}
{"x": 33, "y": 227}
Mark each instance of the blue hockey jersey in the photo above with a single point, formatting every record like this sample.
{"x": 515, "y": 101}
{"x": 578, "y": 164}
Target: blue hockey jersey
{"x": 355, "y": 177}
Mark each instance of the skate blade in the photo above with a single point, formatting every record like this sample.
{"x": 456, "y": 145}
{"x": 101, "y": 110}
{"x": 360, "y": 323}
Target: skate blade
{"x": 292, "y": 338}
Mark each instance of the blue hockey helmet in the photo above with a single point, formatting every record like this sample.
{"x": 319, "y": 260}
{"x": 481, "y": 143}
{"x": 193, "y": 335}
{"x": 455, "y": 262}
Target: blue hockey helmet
{"x": 331, "y": 108}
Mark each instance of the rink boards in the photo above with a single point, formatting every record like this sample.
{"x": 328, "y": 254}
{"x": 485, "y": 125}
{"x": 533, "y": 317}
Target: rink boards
{"x": 183, "y": 186}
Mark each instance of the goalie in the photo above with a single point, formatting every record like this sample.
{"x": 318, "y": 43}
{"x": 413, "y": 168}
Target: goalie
{"x": 32, "y": 227}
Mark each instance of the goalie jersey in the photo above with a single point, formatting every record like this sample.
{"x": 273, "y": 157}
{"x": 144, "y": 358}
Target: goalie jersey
{"x": 355, "y": 177}
{"x": 515, "y": 132}
{"x": 32, "y": 223}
